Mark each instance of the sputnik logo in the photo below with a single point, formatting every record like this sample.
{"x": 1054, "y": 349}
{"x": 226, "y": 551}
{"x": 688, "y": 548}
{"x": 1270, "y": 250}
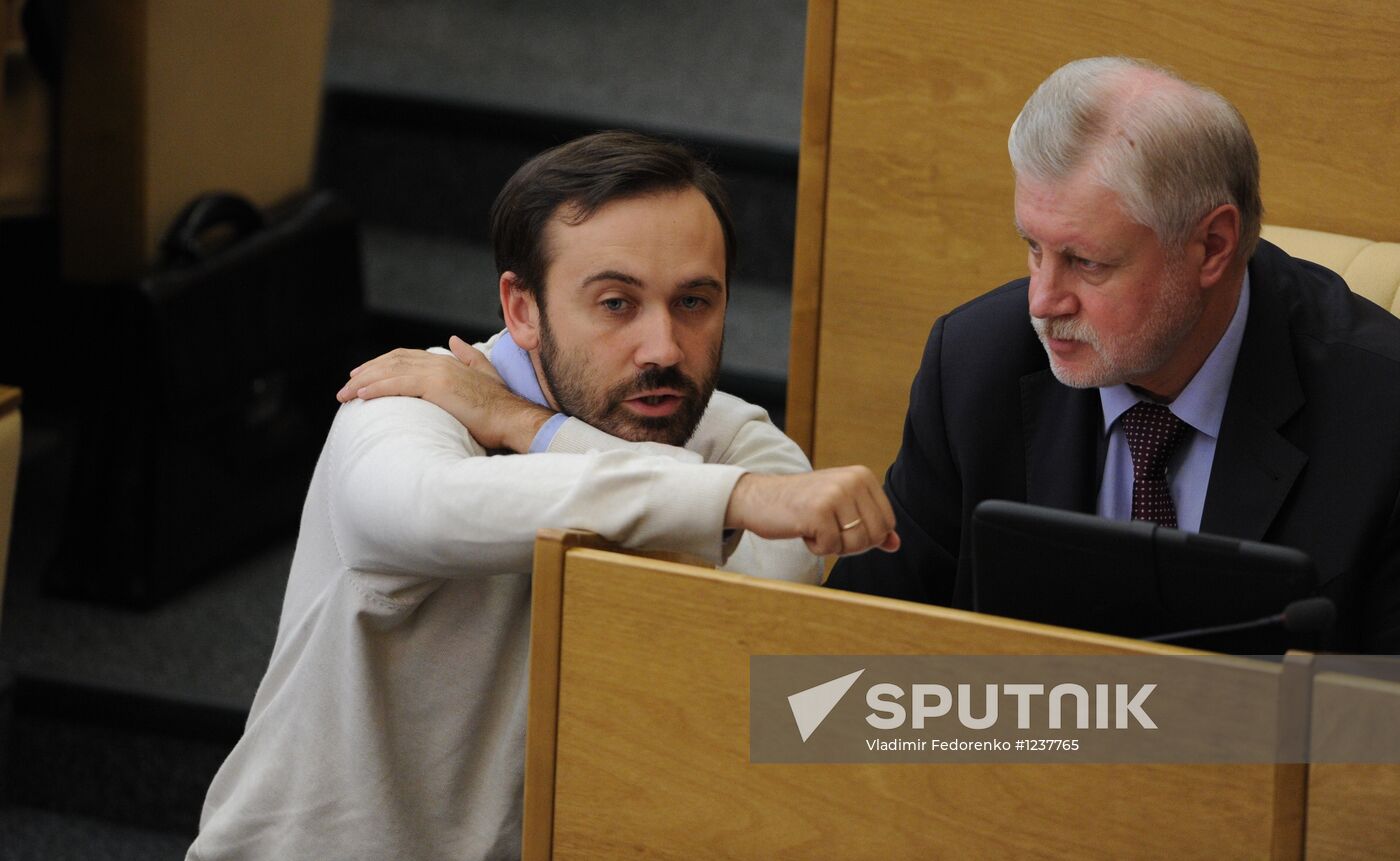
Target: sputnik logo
{"x": 810, "y": 707}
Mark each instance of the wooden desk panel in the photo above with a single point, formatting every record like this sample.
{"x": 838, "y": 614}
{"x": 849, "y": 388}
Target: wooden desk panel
{"x": 1352, "y": 803}
{"x": 651, "y": 740}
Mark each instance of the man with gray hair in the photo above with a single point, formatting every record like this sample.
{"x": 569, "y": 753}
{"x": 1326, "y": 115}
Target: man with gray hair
{"x": 1174, "y": 367}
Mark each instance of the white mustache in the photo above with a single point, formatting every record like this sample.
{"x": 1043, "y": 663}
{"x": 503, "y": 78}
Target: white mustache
{"x": 1066, "y": 329}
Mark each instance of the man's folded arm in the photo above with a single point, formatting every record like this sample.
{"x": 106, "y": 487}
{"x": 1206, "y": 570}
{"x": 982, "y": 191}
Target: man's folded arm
{"x": 752, "y": 442}
{"x": 412, "y": 493}
{"x": 759, "y": 446}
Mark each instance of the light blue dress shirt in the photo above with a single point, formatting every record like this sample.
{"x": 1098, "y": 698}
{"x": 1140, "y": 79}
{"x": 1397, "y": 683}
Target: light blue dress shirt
{"x": 1201, "y": 405}
{"x": 515, "y": 368}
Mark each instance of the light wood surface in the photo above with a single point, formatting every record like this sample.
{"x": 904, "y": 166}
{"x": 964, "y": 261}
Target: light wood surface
{"x": 917, "y": 198}
{"x": 546, "y": 618}
{"x": 1353, "y": 806}
{"x": 1352, "y": 812}
{"x": 546, "y": 615}
{"x": 811, "y": 220}
{"x": 651, "y": 740}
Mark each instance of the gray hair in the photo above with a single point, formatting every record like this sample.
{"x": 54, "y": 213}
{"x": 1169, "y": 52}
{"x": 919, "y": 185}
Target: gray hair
{"x": 1171, "y": 153}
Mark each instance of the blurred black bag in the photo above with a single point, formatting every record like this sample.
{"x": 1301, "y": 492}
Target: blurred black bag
{"x": 206, "y": 391}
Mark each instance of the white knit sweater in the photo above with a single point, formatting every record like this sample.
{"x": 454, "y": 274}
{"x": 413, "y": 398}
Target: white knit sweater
{"x": 391, "y": 721}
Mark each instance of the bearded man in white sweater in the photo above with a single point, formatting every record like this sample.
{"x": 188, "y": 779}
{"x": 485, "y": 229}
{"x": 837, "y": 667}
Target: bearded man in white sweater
{"x": 391, "y": 721}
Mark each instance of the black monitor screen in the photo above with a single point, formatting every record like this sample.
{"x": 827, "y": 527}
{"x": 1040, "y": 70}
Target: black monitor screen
{"x": 1133, "y": 579}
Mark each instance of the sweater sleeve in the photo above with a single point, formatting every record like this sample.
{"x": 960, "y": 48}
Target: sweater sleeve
{"x": 758, "y": 446}
{"x": 412, "y": 493}
{"x": 732, "y": 433}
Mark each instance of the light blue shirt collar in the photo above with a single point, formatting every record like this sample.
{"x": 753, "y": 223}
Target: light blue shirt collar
{"x": 1202, "y": 403}
{"x": 516, "y": 369}
{"x": 518, "y": 373}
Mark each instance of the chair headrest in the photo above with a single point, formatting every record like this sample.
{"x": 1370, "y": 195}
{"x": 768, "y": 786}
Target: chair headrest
{"x": 1371, "y": 269}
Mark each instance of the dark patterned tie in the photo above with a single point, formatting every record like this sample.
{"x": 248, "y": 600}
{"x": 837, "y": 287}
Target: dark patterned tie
{"x": 1153, "y": 434}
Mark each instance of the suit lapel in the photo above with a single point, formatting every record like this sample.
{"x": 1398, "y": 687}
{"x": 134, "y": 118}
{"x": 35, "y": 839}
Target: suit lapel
{"x": 1255, "y": 466}
{"x": 1062, "y": 429}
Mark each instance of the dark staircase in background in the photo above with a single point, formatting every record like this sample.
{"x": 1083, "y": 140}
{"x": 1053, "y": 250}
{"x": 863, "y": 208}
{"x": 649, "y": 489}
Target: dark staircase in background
{"x": 113, "y": 721}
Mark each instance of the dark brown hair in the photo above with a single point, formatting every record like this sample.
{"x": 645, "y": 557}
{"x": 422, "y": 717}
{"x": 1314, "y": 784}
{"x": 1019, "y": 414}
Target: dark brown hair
{"x": 583, "y": 175}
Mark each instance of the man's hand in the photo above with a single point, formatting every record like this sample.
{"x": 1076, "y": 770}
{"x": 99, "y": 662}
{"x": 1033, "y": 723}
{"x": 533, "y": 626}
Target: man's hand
{"x": 465, "y": 384}
{"x": 841, "y": 510}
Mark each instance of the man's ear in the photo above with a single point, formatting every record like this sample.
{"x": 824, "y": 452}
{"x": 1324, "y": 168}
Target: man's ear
{"x": 521, "y": 311}
{"x": 1219, "y": 235}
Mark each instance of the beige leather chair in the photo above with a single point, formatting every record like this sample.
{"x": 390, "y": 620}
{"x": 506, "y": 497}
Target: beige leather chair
{"x": 1370, "y": 268}
{"x": 9, "y": 472}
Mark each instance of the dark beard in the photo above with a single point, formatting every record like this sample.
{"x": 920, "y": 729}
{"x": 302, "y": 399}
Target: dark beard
{"x": 568, "y": 381}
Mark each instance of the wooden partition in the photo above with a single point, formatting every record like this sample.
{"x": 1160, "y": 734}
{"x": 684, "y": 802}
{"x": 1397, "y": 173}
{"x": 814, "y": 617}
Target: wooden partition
{"x": 905, "y": 189}
{"x": 1352, "y": 805}
{"x": 639, "y": 740}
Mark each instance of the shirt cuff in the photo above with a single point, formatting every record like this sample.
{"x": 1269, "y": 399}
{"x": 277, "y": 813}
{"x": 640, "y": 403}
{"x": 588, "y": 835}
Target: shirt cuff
{"x": 545, "y": 435}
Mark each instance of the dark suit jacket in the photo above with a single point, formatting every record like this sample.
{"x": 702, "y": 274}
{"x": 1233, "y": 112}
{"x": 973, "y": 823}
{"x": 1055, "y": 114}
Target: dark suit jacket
{"x": 1308, "y": 454}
